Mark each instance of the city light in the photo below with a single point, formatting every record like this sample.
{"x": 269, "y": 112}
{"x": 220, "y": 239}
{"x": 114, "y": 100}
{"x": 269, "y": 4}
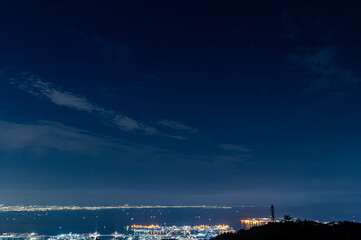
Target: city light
{"x": 254, "y": 222}
{"x": 149, "y": 232}
{"x": 34, "y": 208}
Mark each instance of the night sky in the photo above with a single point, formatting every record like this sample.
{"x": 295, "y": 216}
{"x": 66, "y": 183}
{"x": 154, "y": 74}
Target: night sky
{"x": 176, "y": 102}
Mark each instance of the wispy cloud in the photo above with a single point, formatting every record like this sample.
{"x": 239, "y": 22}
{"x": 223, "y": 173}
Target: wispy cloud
{"x": 33, "y": 84}
{"x": 41, "y": 137}
{"x": 109, "y": 161}
{"x": 176, "y": 125}
{"x": 316, "y": 57}
{"x": 233, "y": 147}
{"x": 44, "y": 135}
{"x": 36, "y": 86}
{"x": 324, "y": 74}
{"x": 129, "y": 124}
{"x": 70, "y": 100}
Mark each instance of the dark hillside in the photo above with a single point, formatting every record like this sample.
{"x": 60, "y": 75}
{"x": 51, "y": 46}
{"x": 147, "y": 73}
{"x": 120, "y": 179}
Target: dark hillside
{"x": 298, "y": 231}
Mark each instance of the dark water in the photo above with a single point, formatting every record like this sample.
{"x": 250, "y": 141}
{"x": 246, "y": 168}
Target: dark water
{"x": 108, "y": 221}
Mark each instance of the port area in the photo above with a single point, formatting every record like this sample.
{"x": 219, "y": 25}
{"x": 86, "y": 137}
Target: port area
{"x": 255, "y": 222}
{"x": 138, "y": 232}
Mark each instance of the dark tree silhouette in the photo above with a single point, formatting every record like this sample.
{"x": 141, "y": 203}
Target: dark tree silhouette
{"x": 287, "y": 218}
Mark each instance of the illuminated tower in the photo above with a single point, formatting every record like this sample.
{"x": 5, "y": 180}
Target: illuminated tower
{"x": 272, "y": 208}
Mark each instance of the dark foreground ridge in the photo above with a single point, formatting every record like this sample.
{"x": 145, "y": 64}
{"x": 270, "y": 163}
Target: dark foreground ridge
{"x": 298, "y": 230}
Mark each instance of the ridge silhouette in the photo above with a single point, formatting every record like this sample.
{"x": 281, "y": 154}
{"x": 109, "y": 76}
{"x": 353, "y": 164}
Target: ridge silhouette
{"x": 300, "y": 230}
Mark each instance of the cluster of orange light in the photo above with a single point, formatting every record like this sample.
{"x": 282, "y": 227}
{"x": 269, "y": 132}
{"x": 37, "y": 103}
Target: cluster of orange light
{"x": 202, "y": 226}
{"x": 253, "y": 222}
{"x": 223, "y": 226}
{"x": 145, "y": 226}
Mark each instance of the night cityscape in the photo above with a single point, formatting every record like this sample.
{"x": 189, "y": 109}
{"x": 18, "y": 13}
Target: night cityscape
{"x": 180, "y": 120}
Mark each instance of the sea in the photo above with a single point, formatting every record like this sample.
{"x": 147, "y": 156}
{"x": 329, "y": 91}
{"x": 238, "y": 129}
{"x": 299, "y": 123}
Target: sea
{"x": 110, "y": 220}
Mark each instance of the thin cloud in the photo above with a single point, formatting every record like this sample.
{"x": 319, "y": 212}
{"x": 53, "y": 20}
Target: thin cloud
{"x": 176, "y": 125}
{"x": 129, "y": 124}
{"x": 176, "y": 137}
{"x": 70, "y": 100}
{"x": 126, "y": 123}
{"x": 43, "y": 136}
{"x": 325, "y": 75}
{"x": 34, "y": 85}
{"x": 233, "y": 147}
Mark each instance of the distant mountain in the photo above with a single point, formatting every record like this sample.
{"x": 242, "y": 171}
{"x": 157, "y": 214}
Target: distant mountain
{"x": 301, "y": 230}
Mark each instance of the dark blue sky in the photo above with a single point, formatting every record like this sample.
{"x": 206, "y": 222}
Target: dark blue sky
{"x": 181, "y": 102}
